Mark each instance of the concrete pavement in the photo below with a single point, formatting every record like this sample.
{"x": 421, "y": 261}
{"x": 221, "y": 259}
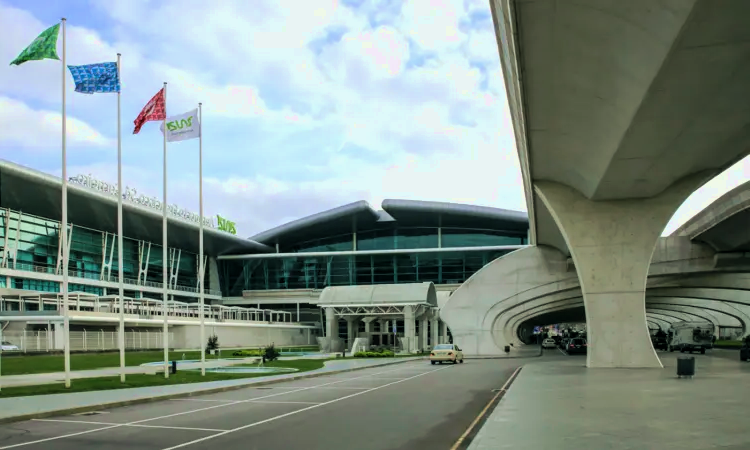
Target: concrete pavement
{"x": 14, "y": 407}
{"x": 556, "y": 402}
{"x": 410, "y": 406}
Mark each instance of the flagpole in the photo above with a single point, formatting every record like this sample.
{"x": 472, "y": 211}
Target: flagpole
{"x": 165, "y": 261}
{"x": 202, "y": 270}
{"x": 64, "y": 225}
{"x": 120, "y": 270}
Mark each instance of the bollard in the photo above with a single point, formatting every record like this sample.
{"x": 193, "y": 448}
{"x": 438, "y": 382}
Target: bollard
{"x": 174, "y": 367}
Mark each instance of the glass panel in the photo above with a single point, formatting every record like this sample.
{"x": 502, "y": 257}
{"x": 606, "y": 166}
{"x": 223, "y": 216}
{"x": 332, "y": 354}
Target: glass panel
{"x": 460, "y": 237}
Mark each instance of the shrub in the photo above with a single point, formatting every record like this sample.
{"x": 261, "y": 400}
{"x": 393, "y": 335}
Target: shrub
{"x": 271, "y": 353}
{"x": 245, "y": 353}
{"x": 376, "y": 354}
{"x": 213, "y": 343}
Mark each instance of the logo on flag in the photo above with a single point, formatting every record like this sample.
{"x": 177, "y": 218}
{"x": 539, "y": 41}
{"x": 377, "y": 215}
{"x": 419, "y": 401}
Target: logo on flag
{"x": 155, "y": 109}
{"x": 182, "y": 127}
{"x": 91, "y": 78}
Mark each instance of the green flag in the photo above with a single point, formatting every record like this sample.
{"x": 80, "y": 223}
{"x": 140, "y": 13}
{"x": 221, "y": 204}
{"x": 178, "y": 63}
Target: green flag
{"x": 43, "y": 47}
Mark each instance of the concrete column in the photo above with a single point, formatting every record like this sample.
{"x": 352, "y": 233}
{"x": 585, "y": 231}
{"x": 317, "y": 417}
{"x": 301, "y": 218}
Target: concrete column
{"x": 434, "y": 331}
{"x": 444, "y": 332}
{"x": 611, "y": 243}
{"x": 410, "y": 339}
{"x": 332, "y": 324}
{"x": 352, "y": 324}
{"x": 423, "y": 333}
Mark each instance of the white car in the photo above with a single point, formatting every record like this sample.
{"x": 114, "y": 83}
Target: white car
{"x": 8, "y": 347}
{"x": 549, "y": 343}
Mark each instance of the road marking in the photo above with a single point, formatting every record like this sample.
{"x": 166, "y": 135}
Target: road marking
{"x": 215, "y": 430}
{"x": 284, "y": 403}
{"x": 387, "y": 378}
{"x": 484, "y": 411}
{"x": 281, "y": 416}
{"x": 200, "y": 400}
{"x": 336, "y": 387}
{"x": 562, "y": 351}
{"x": 64, "y": 436}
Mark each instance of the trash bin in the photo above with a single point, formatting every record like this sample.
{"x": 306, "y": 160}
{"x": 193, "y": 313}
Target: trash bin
{"x": 685, "y": 366}
{"x": 507, "y": 349}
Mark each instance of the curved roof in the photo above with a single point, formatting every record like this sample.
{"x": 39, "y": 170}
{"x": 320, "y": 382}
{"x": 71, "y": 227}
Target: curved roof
{"x": 39, "y": 194}
{"x": 723, "y": 223}
{"x": 361, "y": 216}
{"x": 330, "y": 222}
{"x": 379, "y": 294}
{"x": 455, "y": 215}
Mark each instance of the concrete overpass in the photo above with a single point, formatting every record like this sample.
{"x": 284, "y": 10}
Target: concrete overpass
{"x": 620, "y": 111}
{"x": 689, "y": 278}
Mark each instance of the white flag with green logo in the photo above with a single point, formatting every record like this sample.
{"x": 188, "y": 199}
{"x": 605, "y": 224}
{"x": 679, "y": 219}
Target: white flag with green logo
{"x": 182, "y": 127}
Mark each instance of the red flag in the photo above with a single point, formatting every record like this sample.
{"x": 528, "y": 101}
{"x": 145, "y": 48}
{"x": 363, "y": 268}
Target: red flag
{"x": 155, "y": 109}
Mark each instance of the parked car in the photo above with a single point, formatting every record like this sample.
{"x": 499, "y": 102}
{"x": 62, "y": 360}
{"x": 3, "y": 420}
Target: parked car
{"x": 549, "y": 343}
{"x": 577, "y": 345}
{"x": 8, "y": 347}
{"x": 660, "y": 342}
{"x": 446, "y": 352}
{"x": 745, "y": 350}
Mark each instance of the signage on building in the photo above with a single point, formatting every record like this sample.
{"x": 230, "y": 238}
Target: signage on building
{"x": 131, "y": 195}
{"x": 226, "y": 225}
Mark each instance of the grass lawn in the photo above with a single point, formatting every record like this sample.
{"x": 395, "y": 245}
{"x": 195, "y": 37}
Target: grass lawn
{"x": 23, "y": 365}
{"x": 132, "y": 381}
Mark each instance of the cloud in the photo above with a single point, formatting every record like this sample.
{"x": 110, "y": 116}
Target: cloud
{"x": 710, "y": 192}
{"x": 27, "y": 127}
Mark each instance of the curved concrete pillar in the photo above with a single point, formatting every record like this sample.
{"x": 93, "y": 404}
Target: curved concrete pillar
{"x": 472, "y": 309}
{"x": 611, "y": 243}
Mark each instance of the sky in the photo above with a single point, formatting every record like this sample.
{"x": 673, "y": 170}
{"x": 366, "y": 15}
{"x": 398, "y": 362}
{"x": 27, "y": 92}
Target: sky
{"x": 307, "y": 105}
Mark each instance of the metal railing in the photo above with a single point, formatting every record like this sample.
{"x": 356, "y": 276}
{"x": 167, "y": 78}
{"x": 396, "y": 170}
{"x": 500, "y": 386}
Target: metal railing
{"x": 46, "y": 341}
{"x": 77, "y": 274}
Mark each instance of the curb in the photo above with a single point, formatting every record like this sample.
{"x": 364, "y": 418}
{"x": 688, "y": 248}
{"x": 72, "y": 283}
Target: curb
{"x": 82, "y": 409}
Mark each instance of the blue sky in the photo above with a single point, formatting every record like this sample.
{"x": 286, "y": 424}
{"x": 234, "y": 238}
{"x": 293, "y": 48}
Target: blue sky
{"x": 307, "y": 105}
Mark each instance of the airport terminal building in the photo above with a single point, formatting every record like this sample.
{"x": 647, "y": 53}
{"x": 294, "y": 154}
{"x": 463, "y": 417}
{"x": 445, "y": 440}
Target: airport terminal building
{"x": 274, "y": 279}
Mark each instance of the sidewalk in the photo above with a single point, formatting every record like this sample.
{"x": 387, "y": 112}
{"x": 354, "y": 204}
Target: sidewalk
{"x": 18, "y": 408}
{"x": 563, "y": 405}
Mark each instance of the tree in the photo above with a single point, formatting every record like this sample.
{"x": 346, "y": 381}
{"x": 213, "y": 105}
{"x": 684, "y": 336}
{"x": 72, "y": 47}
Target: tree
{"x": 212, "y": 344}
{"x": 271, "y": 353}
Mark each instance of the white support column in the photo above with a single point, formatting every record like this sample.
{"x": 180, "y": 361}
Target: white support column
{"x": 174, "y": 266}
{"x": 434, "y": 330}
{"x": 410, "y": 344}
{"x": 444, "y": 332}
{"x": 611, "y": 243}
{"x": 423, "y": 333}
{"x": 59, "y": 268}
{"x": 144, "y": 254}
{"x": 106, "y": 273}
{"x": 352, "y": 324}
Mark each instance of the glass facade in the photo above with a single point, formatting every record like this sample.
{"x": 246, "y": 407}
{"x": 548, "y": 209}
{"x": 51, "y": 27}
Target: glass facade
{"x": 38, "y": 248}
{"x": 318, "y": 272}
{"x": 394, "y": 238}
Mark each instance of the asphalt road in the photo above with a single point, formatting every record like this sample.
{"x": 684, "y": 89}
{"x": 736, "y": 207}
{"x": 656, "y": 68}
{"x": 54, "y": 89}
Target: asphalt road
{"x": 411, "y": 406}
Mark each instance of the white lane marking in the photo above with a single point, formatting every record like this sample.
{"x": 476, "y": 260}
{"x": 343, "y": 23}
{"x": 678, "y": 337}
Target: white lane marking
{"x": 215, "y": 430}
{"x": 337, "y": 387}
{"x": 64, "y": 436}
{"x": 562, "y": 351}
{"x": 387, "y": 378}
{"x": 284, "y": 403}
{"x": 199, "y": 400}
{"x": 281, "y": 416}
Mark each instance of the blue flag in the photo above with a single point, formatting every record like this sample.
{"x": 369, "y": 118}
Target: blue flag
{"x": 91, "y": 78}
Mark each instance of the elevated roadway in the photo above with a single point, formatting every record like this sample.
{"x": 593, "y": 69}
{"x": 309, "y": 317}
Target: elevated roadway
{"x": 620, "y": 111}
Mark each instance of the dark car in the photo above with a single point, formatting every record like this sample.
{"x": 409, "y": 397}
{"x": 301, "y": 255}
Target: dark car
{"x": 745, "y": 351}
{"x": 660, "y": 342}
{"x": 576, "y": 345}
